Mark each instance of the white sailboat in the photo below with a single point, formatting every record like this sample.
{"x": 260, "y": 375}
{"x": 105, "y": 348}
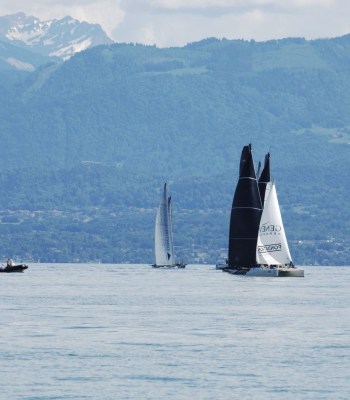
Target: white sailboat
{"x": 164, "y": 247}
{"x": 272, "y": 247}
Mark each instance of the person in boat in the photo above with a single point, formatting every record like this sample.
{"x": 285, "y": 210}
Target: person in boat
{"x": 9, "y": 263}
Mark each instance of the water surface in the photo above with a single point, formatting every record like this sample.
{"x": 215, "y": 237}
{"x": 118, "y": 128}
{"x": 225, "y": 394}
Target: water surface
{"x": 83, "y": 331}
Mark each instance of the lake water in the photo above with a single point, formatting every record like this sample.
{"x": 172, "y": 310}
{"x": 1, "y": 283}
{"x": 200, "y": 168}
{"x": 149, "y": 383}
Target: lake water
{"x": 83, "y": 331}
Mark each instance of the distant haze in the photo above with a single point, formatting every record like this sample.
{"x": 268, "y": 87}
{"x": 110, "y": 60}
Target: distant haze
{"x": 177, "y": 22}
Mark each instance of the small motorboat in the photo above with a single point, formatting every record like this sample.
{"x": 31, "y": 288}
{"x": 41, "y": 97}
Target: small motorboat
{"x": 13, "y": 268}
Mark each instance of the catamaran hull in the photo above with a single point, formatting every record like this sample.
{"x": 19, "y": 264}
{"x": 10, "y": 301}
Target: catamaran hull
{"x": 252, "y": 271}
{"x": 269, "y": 272}
{"x": 221, "y": 266}
{"x": 257, "y": 271}
{"x": 291, "y": 272}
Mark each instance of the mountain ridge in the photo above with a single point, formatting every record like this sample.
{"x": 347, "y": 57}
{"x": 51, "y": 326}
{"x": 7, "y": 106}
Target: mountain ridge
{"x": 54, "y": 38}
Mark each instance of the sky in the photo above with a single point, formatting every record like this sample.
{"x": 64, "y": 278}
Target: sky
{"x": 178, "y": 22}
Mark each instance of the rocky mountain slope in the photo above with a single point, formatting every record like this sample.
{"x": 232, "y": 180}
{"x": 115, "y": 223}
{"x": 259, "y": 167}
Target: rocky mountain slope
{"x": 54, "y": 38}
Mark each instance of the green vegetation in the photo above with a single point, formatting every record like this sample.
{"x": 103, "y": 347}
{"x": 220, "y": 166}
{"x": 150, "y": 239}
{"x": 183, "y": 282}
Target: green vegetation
{"x": 87, "y": 144}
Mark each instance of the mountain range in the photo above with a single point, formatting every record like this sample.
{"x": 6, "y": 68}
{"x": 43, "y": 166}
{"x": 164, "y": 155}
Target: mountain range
{"x": 24, "y": 40}
{"x": 87, "y": 144}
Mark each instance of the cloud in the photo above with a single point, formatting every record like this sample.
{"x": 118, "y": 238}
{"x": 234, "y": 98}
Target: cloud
{"x": 222, "y": 7}
{"x": 177, "y": 22}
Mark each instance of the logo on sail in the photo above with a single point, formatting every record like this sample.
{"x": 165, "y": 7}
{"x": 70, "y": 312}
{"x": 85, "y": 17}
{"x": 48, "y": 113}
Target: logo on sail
{"x": 270, "y": 248}
{"x": 271, "y": 228}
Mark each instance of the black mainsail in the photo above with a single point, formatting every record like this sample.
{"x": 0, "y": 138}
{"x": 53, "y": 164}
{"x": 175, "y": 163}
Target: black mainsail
{"x": 245, "y": 215}
{"x": 264, "y": 178}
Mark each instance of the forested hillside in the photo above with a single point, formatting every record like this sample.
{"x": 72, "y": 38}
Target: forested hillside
{"x": 87, "y": 144}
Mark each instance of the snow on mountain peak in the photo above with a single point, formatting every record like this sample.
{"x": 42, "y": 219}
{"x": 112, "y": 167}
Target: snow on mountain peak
{"x": 61, "y": 38}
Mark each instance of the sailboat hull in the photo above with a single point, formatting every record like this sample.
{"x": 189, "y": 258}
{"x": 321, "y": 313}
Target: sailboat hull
{"x": 179, "y": 265}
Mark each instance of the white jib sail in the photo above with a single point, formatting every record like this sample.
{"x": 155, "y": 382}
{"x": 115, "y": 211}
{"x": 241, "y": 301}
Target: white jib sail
{"x": 272, "y": 246}
{"x": 163, "y": 237}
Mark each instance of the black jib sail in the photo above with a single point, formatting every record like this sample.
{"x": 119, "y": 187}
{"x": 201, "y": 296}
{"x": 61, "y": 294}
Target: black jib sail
{"x": 245, "y": 215}
{"x": 264, "y": 178}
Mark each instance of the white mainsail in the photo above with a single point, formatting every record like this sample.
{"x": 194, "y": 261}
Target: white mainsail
{"x": 272, "y": 246}
{"x": 163, "y": 233}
